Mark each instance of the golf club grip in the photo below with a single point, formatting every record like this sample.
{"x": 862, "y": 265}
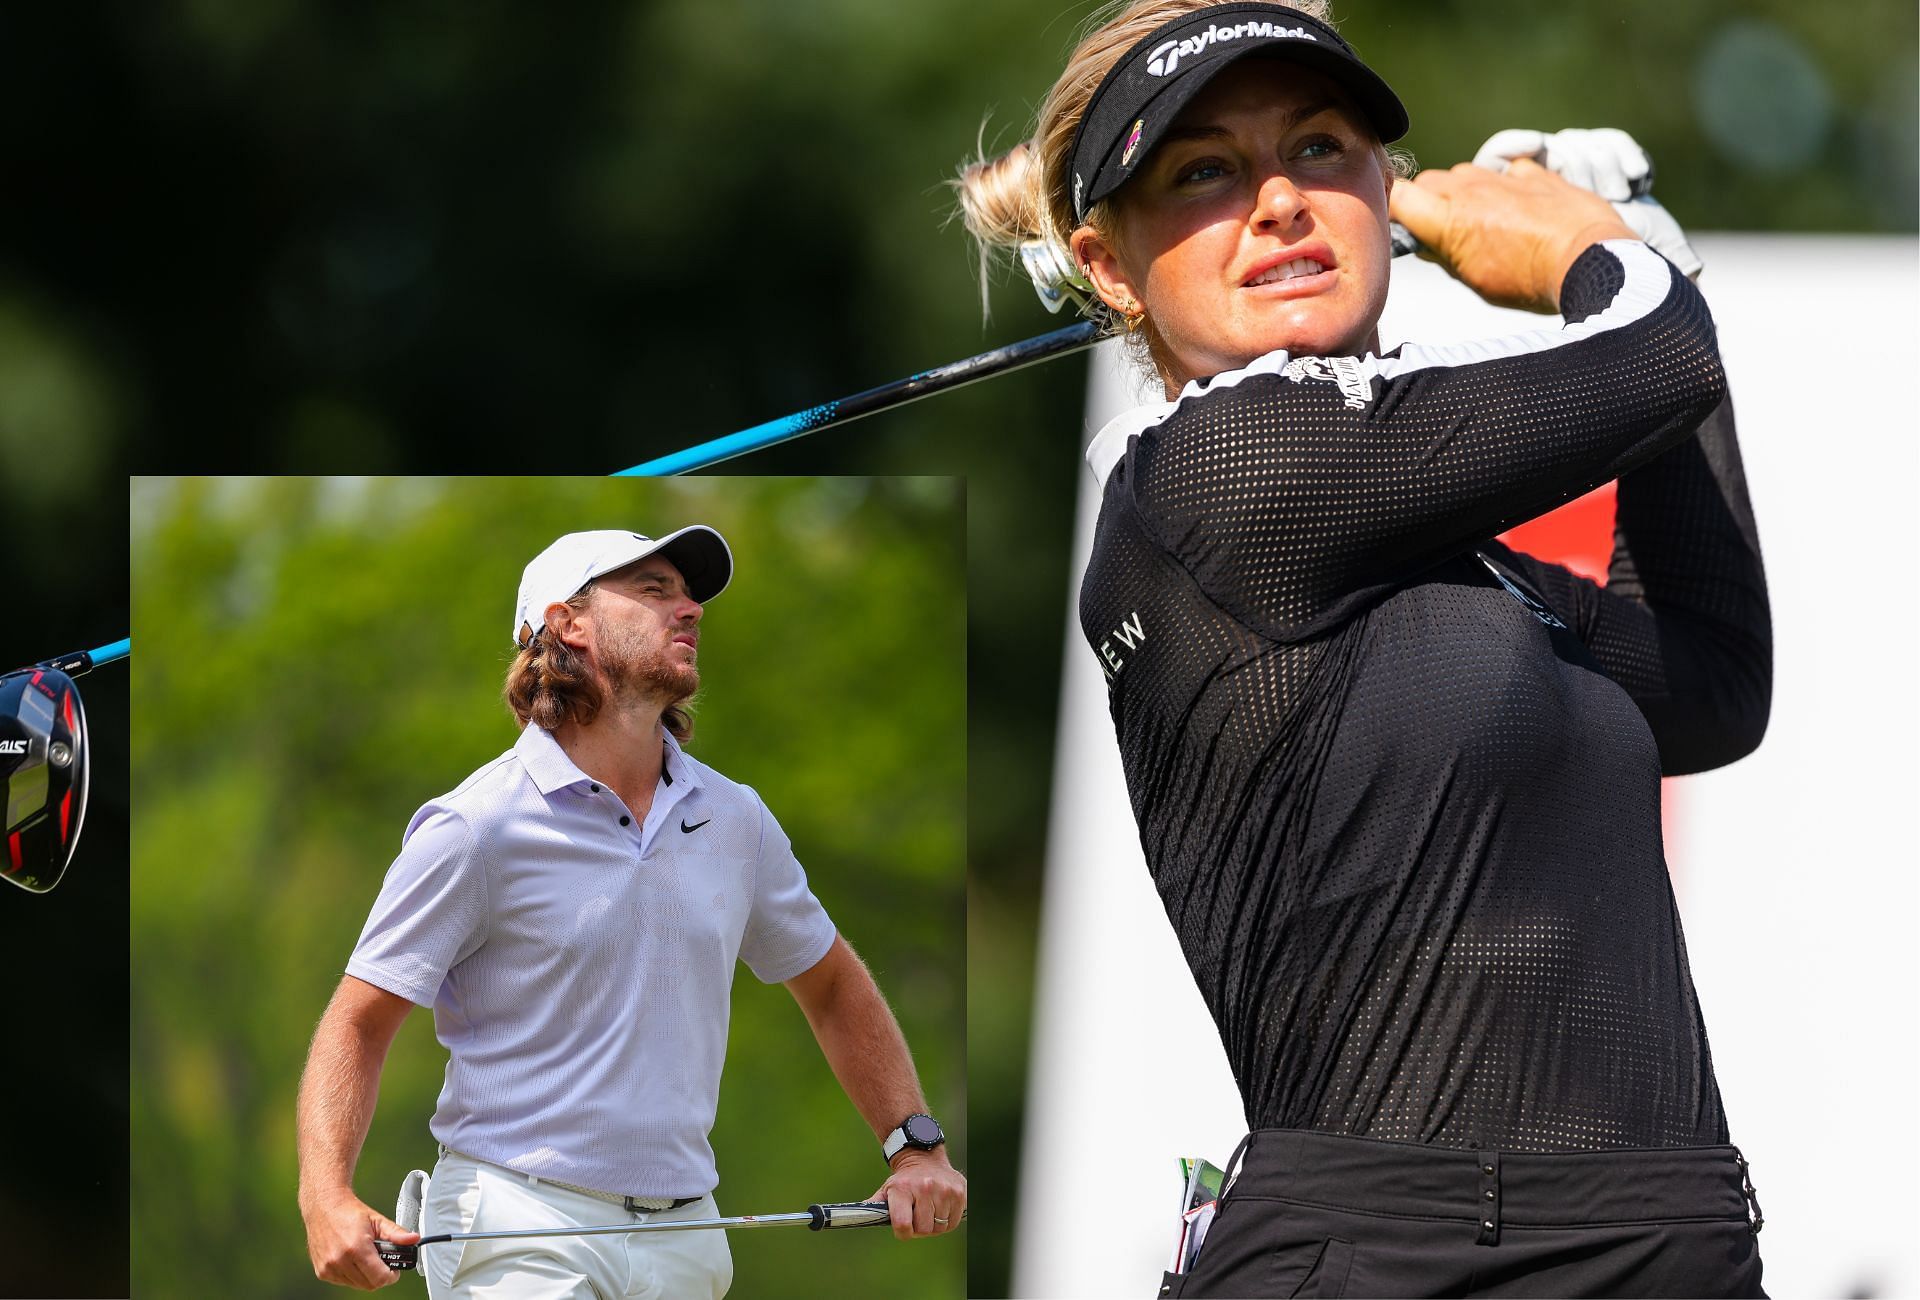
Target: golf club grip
{"x": 851, "y": 1214}
{"x": 396, "y": 1257}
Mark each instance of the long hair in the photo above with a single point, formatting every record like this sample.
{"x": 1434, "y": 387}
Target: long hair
{"x": 550, "y": 683}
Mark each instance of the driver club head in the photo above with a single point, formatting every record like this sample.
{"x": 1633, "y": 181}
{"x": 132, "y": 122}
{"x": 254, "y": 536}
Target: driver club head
{"x": 43, "y": 772}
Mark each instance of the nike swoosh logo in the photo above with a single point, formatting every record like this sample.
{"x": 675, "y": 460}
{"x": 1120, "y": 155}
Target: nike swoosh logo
{"x": 687, "y": 830}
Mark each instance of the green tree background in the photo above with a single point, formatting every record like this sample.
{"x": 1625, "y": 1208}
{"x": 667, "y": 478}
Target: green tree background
{"x": 319, "y": 657}
{"x": 285, "y": 236}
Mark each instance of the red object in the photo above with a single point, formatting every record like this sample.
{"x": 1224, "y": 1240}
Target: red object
{"x": 13, "y": 846}
{"x": 1580, "y": 535}
{"x": 66, "y": 807}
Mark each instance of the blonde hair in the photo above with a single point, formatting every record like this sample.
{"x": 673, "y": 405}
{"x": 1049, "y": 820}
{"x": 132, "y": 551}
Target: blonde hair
{"x": 1025, "y": 195}
{"x": 550, "y": 683}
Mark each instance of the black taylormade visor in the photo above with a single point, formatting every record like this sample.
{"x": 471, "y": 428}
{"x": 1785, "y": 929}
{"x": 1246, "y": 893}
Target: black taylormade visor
{"x": 1154, "y": 80}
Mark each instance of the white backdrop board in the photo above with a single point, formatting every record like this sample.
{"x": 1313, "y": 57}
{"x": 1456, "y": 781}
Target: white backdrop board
{"x": 1797, "y": 869}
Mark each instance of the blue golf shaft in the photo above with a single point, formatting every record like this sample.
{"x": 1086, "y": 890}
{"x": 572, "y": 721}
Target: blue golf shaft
{"x": 83, "y": 661}
{"x": 999, "y": 361}
{"x": 738, "y": 444}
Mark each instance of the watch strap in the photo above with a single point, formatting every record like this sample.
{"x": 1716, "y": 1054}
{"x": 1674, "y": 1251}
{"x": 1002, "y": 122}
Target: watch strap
{"x": 898, "y": 1140}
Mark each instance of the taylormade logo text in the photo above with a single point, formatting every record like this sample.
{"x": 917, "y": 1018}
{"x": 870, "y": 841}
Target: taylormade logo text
{"x": 1164, "y": 60}
{"x": 13, "y": 746}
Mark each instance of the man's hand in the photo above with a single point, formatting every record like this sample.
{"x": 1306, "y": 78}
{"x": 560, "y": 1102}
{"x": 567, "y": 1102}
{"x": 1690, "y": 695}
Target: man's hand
{"x": 926, "y": 1194}
{"x": 1510, "y": 237}
{"x": 1612, "y": 164}
{"x": 341, "y": 1230}
{"x": 863, "y": 1044}
{"x": 337, "y": 1091}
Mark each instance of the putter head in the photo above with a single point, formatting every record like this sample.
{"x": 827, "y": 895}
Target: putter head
{"x": 43, "y": 773}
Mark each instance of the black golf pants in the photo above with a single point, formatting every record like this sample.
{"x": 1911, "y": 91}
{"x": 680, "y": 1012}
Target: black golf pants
{"x": 1317, "y": 1215}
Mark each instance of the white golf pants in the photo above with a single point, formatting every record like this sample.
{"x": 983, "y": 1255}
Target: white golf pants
{"x": 468, "y": 1195}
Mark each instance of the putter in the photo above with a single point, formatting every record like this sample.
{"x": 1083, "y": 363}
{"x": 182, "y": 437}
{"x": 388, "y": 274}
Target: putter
{"x": 999, "y": 361}
{"x": 43, "y": 765}
{"x": 818, "y": 1218}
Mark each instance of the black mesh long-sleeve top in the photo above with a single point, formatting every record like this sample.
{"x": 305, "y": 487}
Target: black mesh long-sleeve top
{"x": 1399, "y": 786}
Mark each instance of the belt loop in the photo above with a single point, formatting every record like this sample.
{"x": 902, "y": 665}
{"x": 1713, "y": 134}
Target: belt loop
{"x": 1229, "y": 1176}
{"x": 1486, "y": 1207}
{"x": 1747, "y": 1190}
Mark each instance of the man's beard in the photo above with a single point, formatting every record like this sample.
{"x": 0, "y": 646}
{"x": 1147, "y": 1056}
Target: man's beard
{"x": 637, "y": 672}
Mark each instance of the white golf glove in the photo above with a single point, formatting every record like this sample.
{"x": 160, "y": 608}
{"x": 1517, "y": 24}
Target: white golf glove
{"x": 1611, "y": 164}
{"x": 413, "y": 1195}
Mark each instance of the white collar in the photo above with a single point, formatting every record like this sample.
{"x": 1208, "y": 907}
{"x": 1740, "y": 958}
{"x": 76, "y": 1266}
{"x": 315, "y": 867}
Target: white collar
{"x": 1110, "y": 444}
{"x": 552, "y": 769}
{"x": 677, "y": 767}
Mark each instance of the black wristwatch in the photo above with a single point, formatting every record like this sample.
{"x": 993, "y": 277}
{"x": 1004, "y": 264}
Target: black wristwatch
{"x": 921, "y": 1132}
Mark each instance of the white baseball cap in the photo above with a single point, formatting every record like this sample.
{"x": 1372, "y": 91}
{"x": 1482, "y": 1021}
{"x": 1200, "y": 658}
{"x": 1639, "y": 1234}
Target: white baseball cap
{"x": 559, "y": 572}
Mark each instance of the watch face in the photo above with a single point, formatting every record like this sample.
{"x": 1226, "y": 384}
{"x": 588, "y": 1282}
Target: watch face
{"x": 922, "y": 1131}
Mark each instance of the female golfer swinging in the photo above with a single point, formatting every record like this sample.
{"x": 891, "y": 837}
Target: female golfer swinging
{"x": 1398, "y": 785}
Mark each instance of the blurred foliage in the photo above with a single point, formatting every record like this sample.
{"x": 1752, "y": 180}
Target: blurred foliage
{"x": 319, "y": 657}
{"x": 275, "y": 235}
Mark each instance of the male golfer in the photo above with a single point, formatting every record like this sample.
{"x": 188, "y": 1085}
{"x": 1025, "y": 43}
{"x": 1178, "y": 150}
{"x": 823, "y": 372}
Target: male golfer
{"x": 572, "y": 912}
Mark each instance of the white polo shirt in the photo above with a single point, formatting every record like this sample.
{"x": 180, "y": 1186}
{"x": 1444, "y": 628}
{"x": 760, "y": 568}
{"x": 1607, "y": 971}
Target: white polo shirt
{"x": 579, "y": 968}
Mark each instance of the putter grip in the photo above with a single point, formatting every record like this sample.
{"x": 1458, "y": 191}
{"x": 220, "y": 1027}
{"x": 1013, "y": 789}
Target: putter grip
{"x": 397, "y": 1258}
{"x": 855, "y": 1214}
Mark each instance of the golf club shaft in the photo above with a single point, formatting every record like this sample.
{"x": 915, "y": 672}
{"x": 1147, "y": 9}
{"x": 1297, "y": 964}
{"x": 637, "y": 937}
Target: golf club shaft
{"x": 608, "y": 1229}
{"x": 999, "y": 361}
{"x": 82, "y": 661}
{"x": 856, "y": 1214}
